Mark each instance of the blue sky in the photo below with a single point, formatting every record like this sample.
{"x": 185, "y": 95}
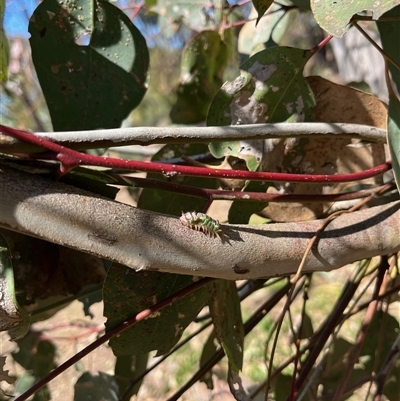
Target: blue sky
{"x": 18, "y": 12}
{"x": 16, "y": 18}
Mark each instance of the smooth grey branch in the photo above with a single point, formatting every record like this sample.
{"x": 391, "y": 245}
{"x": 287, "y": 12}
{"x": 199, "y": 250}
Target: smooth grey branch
{"x": 149, "y": 135}
{"x": 144, "y": 240}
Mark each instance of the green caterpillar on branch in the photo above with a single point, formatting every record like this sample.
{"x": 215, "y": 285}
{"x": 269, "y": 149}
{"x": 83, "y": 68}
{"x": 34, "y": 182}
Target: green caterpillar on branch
{"x": 201, "y": 222}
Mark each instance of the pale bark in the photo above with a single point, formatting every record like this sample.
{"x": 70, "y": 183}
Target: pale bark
{"x": 148, "y": 135}
{"x": 145, "y": 240}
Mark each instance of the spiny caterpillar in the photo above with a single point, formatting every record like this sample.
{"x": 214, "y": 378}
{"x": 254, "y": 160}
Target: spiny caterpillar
{"x": 201, "y": 222}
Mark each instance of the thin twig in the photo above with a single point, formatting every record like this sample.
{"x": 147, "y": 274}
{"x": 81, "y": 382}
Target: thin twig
{"x": 70, "y": 158}
{"x": 107, "y": 336}
{"x": 373, "y": 43}
{"x": 249, "y": 325}
{"x": 296, "y": 277}
{"x": 220, "y": 194}
{"x": 363, "y": 332}
{"x": 105, "y": 138}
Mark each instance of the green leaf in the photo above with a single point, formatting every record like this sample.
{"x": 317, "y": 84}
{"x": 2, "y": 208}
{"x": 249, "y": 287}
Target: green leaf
{"x": 306, "y": 329}
{"x": 150, "y": 3}
{"x": 282, "y": 385}
{"x": 37, "y": 357}
{"x": 26, "y": 381}
{"x": 334, "y": 16}
{"x": 208, "y": 351}
{"x": 100, "y": 387}
{"x": 93, "y": 180}
{"x": 382, "y": 334}
{"x": 198, "y": 15}
{"x": 90, "y": 298}
{"x": 304, "y": 5}
{"x": 227, "y": 319}
{"x": 270, "y": 88}
{"x": 236, "y": 386}
{"x": 46, "y": 273}
{"x": 12, "y": 317}
{"x": 128, "y": 367}
{"x": 390, "y": 32}
{"x": 202, "y": 66}
{"x": 174, "y": 203}
{"x": 392, "y": 384}
{"x": 336, "y": 364}
{"x": 261, "y": 6}
{"x": 393, "y": 132}
{"x": 92, "y": 85}
{"x": 241, "y": 211}
{"x": 127, "y": 292}
{"x": 4, "y": 47}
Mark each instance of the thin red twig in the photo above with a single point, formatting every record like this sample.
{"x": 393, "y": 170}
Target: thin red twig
{"x": 220, "y": 194}
{"x": 71, "y": 158}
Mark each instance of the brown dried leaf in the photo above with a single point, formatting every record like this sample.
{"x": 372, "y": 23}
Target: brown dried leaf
{"x": 339, "y": 104}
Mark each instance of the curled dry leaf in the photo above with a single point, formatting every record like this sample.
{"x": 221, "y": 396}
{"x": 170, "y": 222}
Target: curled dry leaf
{"x": 319, "y": 155}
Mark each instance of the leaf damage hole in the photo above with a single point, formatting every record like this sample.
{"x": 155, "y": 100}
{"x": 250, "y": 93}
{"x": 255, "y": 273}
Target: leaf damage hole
{"x": 84, "y": 38}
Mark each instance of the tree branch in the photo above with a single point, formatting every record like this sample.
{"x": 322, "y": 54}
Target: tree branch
{"x": 65, "y": 215}
{"x": 149, "y": 135}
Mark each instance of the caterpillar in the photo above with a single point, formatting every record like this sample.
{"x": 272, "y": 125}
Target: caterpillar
{"x": 201, "y": 222}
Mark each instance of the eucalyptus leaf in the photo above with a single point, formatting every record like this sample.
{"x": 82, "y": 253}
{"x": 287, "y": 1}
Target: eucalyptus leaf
{"x": 261, "y": 6}
{"x": 198, "y": 15}
{"x": 96, "y": 387}
{"x": 91, "y": 62}
{"x": 127, "y": 292}
{"x": 270, "y": 88}
{"x": 126, "y": 368}
{"x": 393, "y": 133}
{"x": 390, "y": 30}
{"x": 12, "y": 317}
{"x": 202, "y": 66}
{"x": 241, "y": 211}
{"x": 170, "y": 202}
{"x": 227, "y": 319}
{"x": 4, "y": 46}
{"x": 334, "y": 16}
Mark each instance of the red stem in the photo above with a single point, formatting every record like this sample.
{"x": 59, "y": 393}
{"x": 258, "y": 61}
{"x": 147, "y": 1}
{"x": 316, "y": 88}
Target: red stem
{"x": 125, "y": 325}
{"x": 71, "y": 158}
{"x": 218, "y": 194}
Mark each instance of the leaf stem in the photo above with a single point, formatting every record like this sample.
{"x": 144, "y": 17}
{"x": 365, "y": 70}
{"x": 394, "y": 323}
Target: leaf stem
{"x": 373, "y": 43}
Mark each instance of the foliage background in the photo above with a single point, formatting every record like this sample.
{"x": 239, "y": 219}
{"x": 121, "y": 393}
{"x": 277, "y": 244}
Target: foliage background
{"x": 170, "y": 97}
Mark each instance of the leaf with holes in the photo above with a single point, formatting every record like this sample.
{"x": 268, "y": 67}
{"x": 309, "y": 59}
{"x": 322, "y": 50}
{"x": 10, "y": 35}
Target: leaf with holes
{"x": 196, "y": 14}
{"x": 12, "y": 317}
{"x": 334, "y": 16}
{"x": 270, "y": 88}
{"x": 91, "y": 62}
